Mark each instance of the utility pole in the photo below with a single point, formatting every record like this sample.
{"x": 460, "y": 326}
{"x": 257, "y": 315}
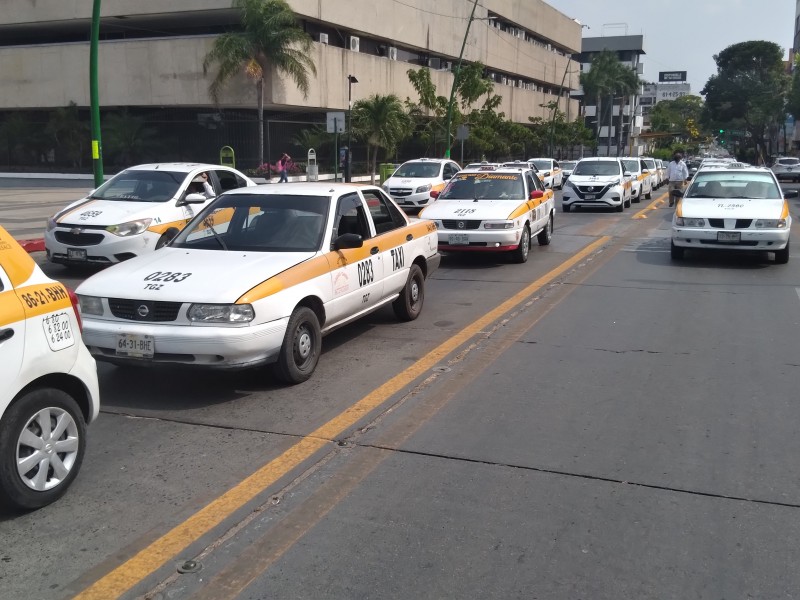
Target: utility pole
{"x": 97, "y": 146}
{"x": 455, "y": 80}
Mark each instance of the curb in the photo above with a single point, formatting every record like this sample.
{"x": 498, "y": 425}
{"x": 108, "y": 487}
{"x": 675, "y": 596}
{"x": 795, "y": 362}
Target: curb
{"x": 29, "y": 246}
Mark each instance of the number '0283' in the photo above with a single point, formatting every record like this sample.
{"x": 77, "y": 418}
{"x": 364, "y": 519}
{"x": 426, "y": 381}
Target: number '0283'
{"x": 167, "y": 276}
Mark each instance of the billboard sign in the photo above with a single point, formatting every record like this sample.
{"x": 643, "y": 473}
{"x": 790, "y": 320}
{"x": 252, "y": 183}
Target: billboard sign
{"x": 671, "y": 76}
{"x": 672, "y": 91}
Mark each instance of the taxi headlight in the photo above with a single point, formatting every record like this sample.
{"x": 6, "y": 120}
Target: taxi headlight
{"x": 771, "y": 223}
{"x": 615, "y": 182}
{"x": 684, "y": 222}
{"x": 129, "y": 228}
{"x": 423, "y": 188}
{"x": 90, "y": 305}
{"x": 499, "y": 225}
{"x": 221, "y": 313}
{"x": 51, "y": 224}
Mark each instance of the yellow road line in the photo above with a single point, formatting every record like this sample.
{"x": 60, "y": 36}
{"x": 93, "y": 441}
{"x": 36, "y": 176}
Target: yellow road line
{"x": 642, "y": 214}
{"x": 147, "y": 561}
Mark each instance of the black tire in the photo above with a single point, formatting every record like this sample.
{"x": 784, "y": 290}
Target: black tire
{"x": 166, "y": 238}
{"x": 565, "y": 207}
{"x": 649, "y": 195}
{"x": 628, "y": 203}
{"x": 782, "y": 256}
{"x": 520, "y": 255}
{"x": 676, "y": 252}
{"x": 16, "y": 490}
{"x": 409, "y": 303}
{"x": 546, "y": 234}
{"x": 302, "y": 345}
{"x": 621, "y": 206}
{"x": 638, "y": 198}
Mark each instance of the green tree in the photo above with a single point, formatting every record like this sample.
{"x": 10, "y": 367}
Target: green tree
{"x": 382, "y": 122}
{"x": 126, "y": 138}
{"x": 270, "y": 37}
{"x": 14, "y": 132}
{"x": 599, "y": 83}
{"x": 70, "y": 134}
{"x": 750, "y": 85}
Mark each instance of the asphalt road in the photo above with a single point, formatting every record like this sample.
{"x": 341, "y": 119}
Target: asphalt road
{"x": 600, "y": 422}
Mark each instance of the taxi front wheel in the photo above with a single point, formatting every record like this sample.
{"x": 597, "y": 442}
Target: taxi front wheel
{"x": 409, "y": 303}
{"x": 302, "y": 345}
{"x": 41, "y": 449}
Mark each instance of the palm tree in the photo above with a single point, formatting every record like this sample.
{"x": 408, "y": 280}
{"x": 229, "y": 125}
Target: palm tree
{"x": 627, "y": 84}
{"x": 382, "y": 122}
{"x": 271, "y": 37}
{"x": 599, "y": 81}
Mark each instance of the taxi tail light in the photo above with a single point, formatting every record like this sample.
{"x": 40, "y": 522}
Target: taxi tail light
{"x": 74, "y": 299}
{"x": 434, "y": 194}
{"x": 537, "y": 194}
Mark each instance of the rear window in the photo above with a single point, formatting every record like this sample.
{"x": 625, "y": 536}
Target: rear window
{"x": 597, "y": 167}
{"x": 418, "y": 169}
{"x": 789, "y": 162}
{"x": 485, "y": 186}
{"x": 726, "y": 184}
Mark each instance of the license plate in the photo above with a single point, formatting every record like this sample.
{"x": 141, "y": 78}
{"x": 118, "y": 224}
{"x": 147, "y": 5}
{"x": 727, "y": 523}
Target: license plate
{"x": 138, "y": 346}
{"x": 589, "y": 197}
{"x": 76, "y": 253}
{"x": 729, "y": 236}
{"x": 458, "y": 239}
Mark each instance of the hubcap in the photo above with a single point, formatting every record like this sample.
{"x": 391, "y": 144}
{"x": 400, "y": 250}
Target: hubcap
{"x": 414, "y": 292}
{"x": 303, "y": 344}
{"x": 526, "y": 240}
{"x": 47, "y": 449}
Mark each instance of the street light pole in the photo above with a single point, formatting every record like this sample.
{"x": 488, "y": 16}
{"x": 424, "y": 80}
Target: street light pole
{"x": 351, "y": 79}
{"x": 97, "y": 147}
{"x": 455, "y": 80}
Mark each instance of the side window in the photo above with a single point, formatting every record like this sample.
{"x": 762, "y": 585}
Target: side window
{"x": 229, "y": 181}
{"x": 530, "y": 184}
{"x": 555, "y": 165}
{"x": 350, "y": 217}
{"x": 385, "y": 215}
{"x": 536, "y": 183}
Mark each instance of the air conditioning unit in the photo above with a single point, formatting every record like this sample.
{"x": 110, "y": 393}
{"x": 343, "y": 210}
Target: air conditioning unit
{"x": 435, "y": 63}
{"x": 323, "y": 38}
{"x": 392, "y": 53}
{"x": 447, "y": 65}
{"x": 355, "y": 43}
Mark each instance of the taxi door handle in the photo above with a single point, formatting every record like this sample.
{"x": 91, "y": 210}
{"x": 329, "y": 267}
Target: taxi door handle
{"x": 374, "y": 250}
{"x": 6, "y": 334}
{"x": 409, "y": 237}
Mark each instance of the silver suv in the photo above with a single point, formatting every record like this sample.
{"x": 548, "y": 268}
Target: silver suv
{"x": 787, "y": 168}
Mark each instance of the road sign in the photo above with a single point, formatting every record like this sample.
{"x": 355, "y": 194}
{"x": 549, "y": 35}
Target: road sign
{"x": 335, "y": 122}
{"x": 462, "y": 132}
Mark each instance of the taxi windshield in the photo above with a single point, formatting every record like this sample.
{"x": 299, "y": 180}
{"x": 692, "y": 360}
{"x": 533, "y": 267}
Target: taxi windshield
{"x": 485, "y": 186}
{"x": 650, "y": 164}
{"x": 727, "y": 184}
{"x": 258, "y": 223}
{"x": 542, "y": 165}
{"x": 597, "y": 167}
{"x": 631, "y": 165}
{"x": 418, "y": 169}
{"x": 568, "y": 164}
{"x": 141, "y": 186}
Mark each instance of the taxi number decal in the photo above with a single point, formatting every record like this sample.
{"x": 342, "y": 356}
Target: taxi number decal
{"x": 365, "y": 273}
{"x": 39, "y": 298}
{"x": 464, "y": 211}
{"x": 86, "y": 215}
{"x": 398, "y": 259}
{"x": 167, "y": 276}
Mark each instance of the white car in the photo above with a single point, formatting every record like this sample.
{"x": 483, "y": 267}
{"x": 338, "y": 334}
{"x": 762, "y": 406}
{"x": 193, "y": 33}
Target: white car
{"x": 135, "y": 212}
{"x": 412, "y": 183}
{"x": 258, "y": 277}
{"x": 550, "y": 171}
{"x": 656, "y": 175}
{"x": 49, "y": 390}
{"x": 567, "y": 166}
{"x": 493, "y": 211}
{"x": 641, "y": 183}
{"x": 596, "y": 182}
{"x": 733, "y": 208}
{"x": 787, "y": 168}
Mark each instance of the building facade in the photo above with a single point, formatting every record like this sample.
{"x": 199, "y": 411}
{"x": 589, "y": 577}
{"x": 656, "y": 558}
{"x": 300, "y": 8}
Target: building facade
{"x": 151, "y": 58}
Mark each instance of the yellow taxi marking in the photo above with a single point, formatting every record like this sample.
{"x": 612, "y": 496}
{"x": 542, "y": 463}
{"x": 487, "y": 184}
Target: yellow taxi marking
{"x": 528, "y": 206}
{"x": 11, "y": 310}
{"x": 17, "y": 263}
{"x": 74, "y": 209}
{"x": 679, "y": 208}
{"x": 785, "y": 212}
{"x": 162, "y": 227}
{"x": 155, "y": 555}
{"x": 642, "y": 214}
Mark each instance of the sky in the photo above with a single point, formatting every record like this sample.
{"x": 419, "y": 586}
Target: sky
{"x": 684, "y": 35}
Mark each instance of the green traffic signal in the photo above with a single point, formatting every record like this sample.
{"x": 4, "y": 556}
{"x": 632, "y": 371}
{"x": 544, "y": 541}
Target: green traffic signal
{"x": 722, "y": 131}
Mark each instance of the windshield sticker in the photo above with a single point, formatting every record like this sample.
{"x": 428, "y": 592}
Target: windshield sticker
{"x": 466, "y": 176}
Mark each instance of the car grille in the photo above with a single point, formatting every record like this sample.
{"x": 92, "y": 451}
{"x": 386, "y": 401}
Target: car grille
{"x": 400, "y": 192}
{"x": 454, "y": 224}
{"x": 598, "y": 190}
{"x": 740, "y": 223}
{"x": 156, "y": 311}
{"x": 79, "y": 239}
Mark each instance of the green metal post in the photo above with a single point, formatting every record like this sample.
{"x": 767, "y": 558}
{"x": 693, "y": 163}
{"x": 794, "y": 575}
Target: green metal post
{"x": 455, "y": 79}
{"x": 97, "y": 147}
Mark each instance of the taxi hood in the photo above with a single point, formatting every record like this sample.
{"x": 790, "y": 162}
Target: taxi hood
{"x": 590, "y": 179}
{"x": 731, "y": 208}
{"x": 470, "y": 210}
{"x": 199, "y": 275}
{"x": 108, "y": 212}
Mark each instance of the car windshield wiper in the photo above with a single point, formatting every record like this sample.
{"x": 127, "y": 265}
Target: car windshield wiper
{"x": 216, "y": 237}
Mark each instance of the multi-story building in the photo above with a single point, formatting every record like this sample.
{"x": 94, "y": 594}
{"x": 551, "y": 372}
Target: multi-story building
{"x": 611, "y": 141}
{"x": 653, "y": 93}
{"x": 152, "y": 52}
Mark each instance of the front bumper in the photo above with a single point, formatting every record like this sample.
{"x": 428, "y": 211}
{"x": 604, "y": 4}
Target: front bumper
{"x": 701, "y": 237}
{"x": 202, "y": 345}
{"x": 414, "y": 200}
{"x": 102, "y": 247}
{"x": 612, "y": 198}
{"x": 485, "y": 240}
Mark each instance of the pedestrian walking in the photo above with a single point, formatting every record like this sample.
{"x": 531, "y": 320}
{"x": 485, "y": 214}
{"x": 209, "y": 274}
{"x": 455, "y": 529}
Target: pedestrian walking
{"x": 283, "y": 167}
{"x": 677, "y": 174}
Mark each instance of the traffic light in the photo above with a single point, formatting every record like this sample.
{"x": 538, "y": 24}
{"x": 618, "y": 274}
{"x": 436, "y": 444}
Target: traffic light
{"x": 722, "y": 131}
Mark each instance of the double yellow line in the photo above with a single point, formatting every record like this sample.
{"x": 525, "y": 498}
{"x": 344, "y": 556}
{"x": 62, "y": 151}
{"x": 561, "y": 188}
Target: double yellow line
{"x": 148, "y": 560}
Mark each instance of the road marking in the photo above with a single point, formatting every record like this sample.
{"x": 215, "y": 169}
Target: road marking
{"x": 642, "y": 214}
{"x": 148, "y": 560}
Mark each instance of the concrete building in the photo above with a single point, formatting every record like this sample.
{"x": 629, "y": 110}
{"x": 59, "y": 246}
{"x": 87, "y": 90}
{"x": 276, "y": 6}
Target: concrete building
{"x": 653, "y": 93}
{"x": 151, "y": 61}
{"x": 611, "y": 141}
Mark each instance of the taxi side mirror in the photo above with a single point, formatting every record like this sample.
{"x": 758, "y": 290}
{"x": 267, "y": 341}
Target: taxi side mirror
{"x": 537, "y": 194}
{"x": 626, "y": 174}
{"x": 434, "y": 194}
{"x": 645, "y": 170}
{"x": 348, "y": 240}
{"x": 192, "y": 199}
{"x": 791, "y": 194}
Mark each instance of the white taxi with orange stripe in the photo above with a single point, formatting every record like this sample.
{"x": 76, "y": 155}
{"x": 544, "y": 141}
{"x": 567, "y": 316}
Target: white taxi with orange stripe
{"x": 641, "y": 179}
{"x": 550, "y": 171}
{"x": 259, "y": 276}
{"x": 416, "y": 183}
{"x": 135, "y": 212}
{"x": 48, "y": 383}
{"x": 493, "y": 211}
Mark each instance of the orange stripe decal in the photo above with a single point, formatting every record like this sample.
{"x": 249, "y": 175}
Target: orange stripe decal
{"x": 11, "y": 310}
{"x": 17, "y": 263}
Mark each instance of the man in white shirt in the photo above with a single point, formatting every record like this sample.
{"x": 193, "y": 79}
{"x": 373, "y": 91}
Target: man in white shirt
{"x": 677, "y": 173}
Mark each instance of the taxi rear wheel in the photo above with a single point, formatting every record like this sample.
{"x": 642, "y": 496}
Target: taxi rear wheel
{"x": 520, "y": 255}
{"x": 782, "y": 256}
{"x": 302, "y": 345}
{"x": 41, "y": 450}
{"x": 409, "y": 303}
